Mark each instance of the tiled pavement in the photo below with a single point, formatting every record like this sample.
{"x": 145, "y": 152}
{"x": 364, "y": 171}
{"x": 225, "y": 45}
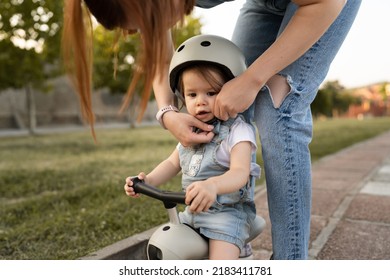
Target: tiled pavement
{"x": 350, "y": 207}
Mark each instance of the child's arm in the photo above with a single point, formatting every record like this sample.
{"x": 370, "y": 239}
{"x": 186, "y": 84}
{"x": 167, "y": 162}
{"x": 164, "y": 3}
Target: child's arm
{"x": 164, "y": 171}
{"x": 202, "y": 194}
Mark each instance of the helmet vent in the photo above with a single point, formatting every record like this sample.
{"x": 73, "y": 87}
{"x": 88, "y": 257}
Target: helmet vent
{"x": 181, "y": 48}
{"x": 205, "y": 43}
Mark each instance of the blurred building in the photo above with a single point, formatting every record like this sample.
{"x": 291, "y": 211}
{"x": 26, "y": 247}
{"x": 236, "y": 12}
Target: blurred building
{"x": 59, "y": 106}
{"x": 375, "y": 101}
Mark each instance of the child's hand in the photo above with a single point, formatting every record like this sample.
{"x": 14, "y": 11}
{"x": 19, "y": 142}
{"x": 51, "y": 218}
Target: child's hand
{"x": 129, "y": 185}
{"x": 200, "y": 196}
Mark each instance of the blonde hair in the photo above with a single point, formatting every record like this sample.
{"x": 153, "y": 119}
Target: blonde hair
{"x": 153, "y": 19}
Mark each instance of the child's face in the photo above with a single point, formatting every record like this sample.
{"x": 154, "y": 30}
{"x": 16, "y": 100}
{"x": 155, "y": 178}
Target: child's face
{"x": 199, "y": 95}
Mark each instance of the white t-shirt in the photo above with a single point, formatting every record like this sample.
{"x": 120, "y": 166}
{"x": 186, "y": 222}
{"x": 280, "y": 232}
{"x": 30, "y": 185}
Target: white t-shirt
{"x": 239, "y": 132}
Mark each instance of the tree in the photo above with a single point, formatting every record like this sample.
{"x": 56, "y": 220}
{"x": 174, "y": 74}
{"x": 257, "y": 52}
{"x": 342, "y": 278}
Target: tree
{"x": 332, "y": 99}
{"x": 385, "y": 90}
{"x": 322, "y": 104}
{"x": 385, "y": 93}
{"x": 114, "y": 58}
{"x": 29, "y": 46}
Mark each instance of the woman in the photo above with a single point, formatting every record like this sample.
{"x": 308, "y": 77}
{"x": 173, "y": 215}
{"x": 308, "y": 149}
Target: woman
{"x": 289, "y": 46}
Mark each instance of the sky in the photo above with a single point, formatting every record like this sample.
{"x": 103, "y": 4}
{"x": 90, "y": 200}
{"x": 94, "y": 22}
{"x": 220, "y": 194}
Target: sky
{"x": 363, "y": 59}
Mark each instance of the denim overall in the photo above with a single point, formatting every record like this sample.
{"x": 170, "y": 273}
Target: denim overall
{"x": 230, "y": 216}
{"x": 199, "y": 163}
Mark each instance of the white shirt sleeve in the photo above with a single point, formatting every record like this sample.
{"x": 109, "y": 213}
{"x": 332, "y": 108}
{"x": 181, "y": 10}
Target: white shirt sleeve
{"x": 239, "y": 132}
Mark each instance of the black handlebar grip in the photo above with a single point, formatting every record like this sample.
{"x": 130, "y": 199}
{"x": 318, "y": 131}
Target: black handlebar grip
{"x": 140, "y": 186}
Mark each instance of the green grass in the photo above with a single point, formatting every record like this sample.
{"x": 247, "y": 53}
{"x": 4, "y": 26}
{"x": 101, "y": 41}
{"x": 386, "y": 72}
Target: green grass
{"x": 61, "y": 196}
{"x": 329, "y": 136}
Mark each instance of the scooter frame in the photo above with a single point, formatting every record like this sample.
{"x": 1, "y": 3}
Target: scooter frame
{"x": 175, "y": 240}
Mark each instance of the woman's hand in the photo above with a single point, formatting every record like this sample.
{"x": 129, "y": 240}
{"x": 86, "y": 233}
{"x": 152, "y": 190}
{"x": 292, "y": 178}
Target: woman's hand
{"x": 236, "y": 96}
{"x": 181, "y": 125}
{"x": 129, "y": 185}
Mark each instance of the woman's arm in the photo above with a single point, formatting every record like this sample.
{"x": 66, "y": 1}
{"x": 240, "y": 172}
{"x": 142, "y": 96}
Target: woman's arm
{"x": 202, "y": 194}
{"x": 309, "y": 23}
{"x": 179, "y": 124}
{"x": 161, "y": 87}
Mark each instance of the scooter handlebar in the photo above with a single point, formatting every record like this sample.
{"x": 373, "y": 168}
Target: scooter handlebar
{"x": 140, "y": 186}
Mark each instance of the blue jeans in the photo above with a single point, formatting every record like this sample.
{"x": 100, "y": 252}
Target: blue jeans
{"x": 286, "y": 131}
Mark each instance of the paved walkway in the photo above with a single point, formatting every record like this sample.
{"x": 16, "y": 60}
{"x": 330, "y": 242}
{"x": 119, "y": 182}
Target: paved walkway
{"x": 351, "y": 205}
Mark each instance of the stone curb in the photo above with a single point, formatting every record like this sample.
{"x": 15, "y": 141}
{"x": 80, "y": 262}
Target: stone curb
{"x": 131, "y": 248}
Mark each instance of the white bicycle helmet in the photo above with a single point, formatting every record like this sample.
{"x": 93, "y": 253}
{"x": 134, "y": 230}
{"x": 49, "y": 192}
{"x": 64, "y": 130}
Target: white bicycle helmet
{"x": 206, "y": 49}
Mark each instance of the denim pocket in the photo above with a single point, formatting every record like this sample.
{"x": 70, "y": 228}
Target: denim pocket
{"x": 232, "y": 198}
{"x": 229, "y": 198}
